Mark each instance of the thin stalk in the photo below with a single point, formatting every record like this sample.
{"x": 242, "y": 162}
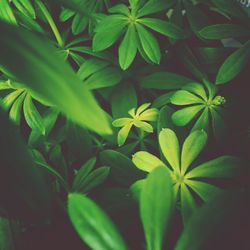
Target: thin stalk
{"x": 51, "y": 23}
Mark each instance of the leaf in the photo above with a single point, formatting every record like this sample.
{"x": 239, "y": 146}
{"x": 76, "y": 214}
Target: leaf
{"x": 79, "y": 24}
{"x": 152, "y": 7}
{"x": 123, "y": 99}
{"x": 192, "y": 147}
{"x": 94, "y": 179}
{"x": 156, "y": 207}
{"x": 122, "y": 169}
{"x": 223, "y": 31}
{"x": 32, "y": 116}
{"x": 170, "y": 148}
{"x": 188, "y": 204}
{"x": 40, "y": 162}
{"x": 123, "y": 134}
{"x": 128, "y": 48}
{"x": 204, "y": 190}
{"x": 25, "y": 7}
{"x": 234, "y": 64}
{"x": 165, "y": 28}
{"x": 92, "y": 225}
{"x": 82, "y": 173}
{"x": 6, "y": 13}
{"x": 164, "y": 80}
{"x": 184, "y": 116}
{"x": 48, "y": 78}
{"x": 120, "y": 9}
{"x": 197, "y": 89}
{"x": 146, "y": 161}
{"x": 66, "y": 14}
{"x": 202, "y": 122}
{"x": 16, "y": 109}
{"x": 108, "y": 31}
{"x": 183, "y": 97}
{"x": 221, "y": 167}
{"x": 90, "y": 67}
{"x": 104, "y": 78}
{"x": 149, "y": 44}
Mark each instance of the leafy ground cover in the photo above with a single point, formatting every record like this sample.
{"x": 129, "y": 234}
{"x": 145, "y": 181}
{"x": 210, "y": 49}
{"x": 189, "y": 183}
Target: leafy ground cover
{"x": 124, "y": 124}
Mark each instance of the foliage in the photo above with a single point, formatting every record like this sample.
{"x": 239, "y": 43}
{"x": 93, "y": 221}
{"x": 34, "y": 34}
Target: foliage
{"x": 129, "y": 119}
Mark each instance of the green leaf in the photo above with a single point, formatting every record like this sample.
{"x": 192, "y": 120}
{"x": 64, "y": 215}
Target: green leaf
{"x": 149, "y": 44}
{"x": 25, "y": 7}
{"x": 183, "y": 97}
{"x": 184, "y": 116}
{"x": 221, "y": 167}
{"x": 48, "y": 78}
{"x": 108, "y": 31}
{"x": 223, "y": 31}
{"x": 93, "y": 226}
{"x": 94, "y": 179}
{"x": 123, "y": 134}
{"x": 90, "y": 67}
{"x": 120, "y": 9}
{"x": 123, "y": 171}
{"x": 192, "y": 147}
{"x": 204, "y": 190}
{"x": 144, "y": 126}
{"x": 128, "y": 48}
{"x": 82, "y": 173}
{"x": 234, "y": 64}
{"x": 164, "y": 80}
{"x": 16, "y": 109}
{"x": 165, "y": 28}
{"x": 79, "y": 24}
{"x": 202, "y": 122}
{"x": 188, "y": 204}
{"x": 66, "y": 14}
{"x": 152, "y": 7}
{"x": 170, "y": 148}
{"x": 156, "y": 207}
{"x": 146, "y": 161}
{"x": 123, "y": 99}
{"x": 6, "y": 13}
{"x": 9, "y": 99}
{"x": 32, "y": 116}
{"x": 197, "y": 89}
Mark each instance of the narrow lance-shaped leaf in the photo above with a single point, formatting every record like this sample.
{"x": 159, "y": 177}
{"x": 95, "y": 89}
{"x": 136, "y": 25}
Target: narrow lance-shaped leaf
{"x": 35, "y": 63}
{"x": 128, "y": 48}
{"x": 92, "y": 225}
{"x": 156, "y": 207}
{"x": 234, "y": 64}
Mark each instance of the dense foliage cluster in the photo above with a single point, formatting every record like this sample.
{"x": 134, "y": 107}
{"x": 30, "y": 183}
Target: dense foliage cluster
{"x": 124, "y": 124}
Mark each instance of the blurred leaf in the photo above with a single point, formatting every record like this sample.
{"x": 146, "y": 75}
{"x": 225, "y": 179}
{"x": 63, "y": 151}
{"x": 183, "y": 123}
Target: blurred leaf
{"x": 156, "y": 207}
{"x": 92, "y": 225}
{"x": 49, "y": 78}
{"x": 6, "y": 13}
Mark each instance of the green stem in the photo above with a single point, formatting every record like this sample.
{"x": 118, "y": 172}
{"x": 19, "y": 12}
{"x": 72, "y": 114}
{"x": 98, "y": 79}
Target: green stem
{"x": 51, "y": 23}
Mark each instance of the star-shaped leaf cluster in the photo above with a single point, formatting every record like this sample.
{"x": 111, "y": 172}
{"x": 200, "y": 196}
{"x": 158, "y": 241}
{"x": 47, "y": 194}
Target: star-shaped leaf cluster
{"x": 186, "y": 177}
{"x": 139, "y": 118}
